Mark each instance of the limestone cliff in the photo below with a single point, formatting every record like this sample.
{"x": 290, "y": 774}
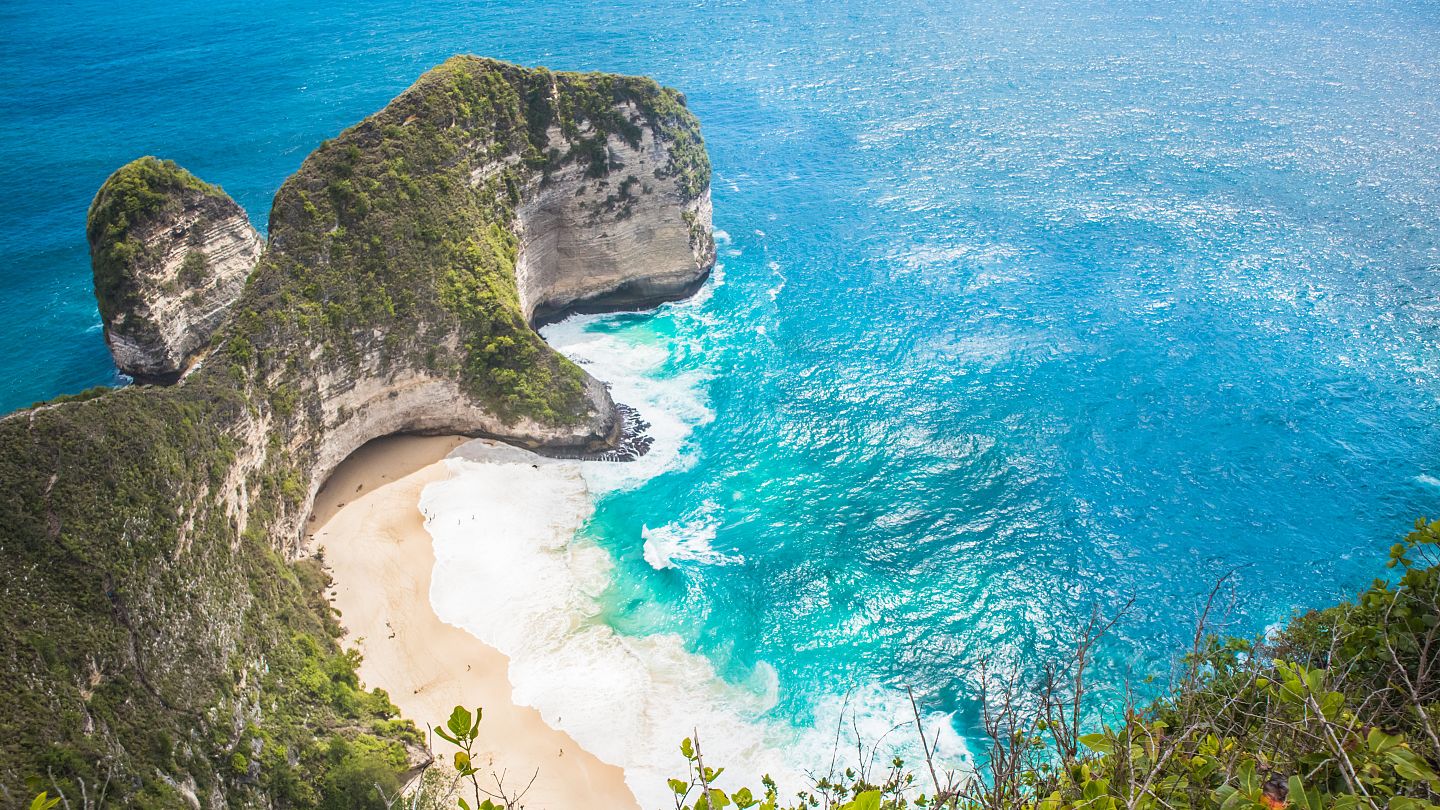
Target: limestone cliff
{"x": 161, "y": 627}
{"x": 622, "y": 229}
{"x": 170, "y": 254}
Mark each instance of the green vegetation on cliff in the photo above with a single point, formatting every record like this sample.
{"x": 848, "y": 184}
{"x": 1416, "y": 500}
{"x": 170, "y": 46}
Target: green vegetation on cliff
{"x": 126, "y": 205}
{"x": 144, "y": 637}
{"x": 404, "y": 225}
{"x": 160, "y": 642}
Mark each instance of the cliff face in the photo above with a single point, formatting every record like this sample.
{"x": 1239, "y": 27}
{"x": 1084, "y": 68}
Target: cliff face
{"x": 155, "y": 528}
{"x": 622, "y": 228}
{"x": 170, "y": 254}
{"x": 410, "y": 255}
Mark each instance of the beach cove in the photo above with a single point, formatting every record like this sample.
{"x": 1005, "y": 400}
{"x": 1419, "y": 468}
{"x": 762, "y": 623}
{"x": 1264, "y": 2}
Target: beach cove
{"x": 371, "y": 533}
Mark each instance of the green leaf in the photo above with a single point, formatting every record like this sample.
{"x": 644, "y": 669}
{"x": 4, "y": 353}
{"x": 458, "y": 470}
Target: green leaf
{"x": 1302, "y": 798}
{"x": 1330, "y": 705}
{"x": 440, "y": 732}
{"x": 1235, "y": 801}
{"x": 687, "y": 748}
{"x": 1408, "y": 765}
{"x": 680, "y": 788}
{"x": 1203, "y": 766}
{"x": 1379, "y": 742}
{"x": 1249, "y": 783}
{"x": 1098, "y": 742}
{"x": 869, "y": 800}
{"x": 459, "y": 722}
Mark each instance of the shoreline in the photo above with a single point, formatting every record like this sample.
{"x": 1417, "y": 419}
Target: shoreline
{"x": 370, "y": 529}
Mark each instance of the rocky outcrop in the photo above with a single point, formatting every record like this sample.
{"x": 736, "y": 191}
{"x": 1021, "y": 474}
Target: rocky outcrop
{"x": 584, "y": 192}
{"x": 170, "y": 256}
{"x": 615, "y": 242}
{"x": 155, "y": 529}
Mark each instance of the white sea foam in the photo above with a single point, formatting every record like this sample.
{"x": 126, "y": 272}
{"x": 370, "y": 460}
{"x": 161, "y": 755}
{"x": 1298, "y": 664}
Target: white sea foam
{"x": 690, "y": 540}
{"x": 512, "y": 570}
{"x": 779, "y": 286}
{"x": 1428, "y": 480}
{"x": 637, "y": 367}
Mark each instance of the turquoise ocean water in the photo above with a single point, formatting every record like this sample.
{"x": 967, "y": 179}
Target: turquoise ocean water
{"x": 1025, "y": 307}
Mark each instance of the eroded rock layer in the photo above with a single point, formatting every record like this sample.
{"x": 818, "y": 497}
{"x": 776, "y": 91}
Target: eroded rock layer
{"x": 170, "y": 254}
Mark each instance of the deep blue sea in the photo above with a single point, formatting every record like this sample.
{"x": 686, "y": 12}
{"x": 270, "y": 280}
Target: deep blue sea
{"x": 1026, "y": 308}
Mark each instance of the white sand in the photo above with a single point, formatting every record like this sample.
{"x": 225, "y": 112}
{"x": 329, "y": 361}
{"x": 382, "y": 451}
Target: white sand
{"x": 368, "y": 523}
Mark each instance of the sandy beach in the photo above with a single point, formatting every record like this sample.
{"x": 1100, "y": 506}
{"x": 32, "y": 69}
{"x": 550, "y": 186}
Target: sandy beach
{"x": 368, "y": 523}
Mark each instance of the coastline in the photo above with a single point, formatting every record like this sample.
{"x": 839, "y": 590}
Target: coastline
{"x": 376, "y": 547}
{"x": 474, "y": 551}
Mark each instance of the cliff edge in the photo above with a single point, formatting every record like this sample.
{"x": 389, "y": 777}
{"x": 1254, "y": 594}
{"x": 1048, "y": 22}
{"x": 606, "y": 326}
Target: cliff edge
{"x": 164, "y": 636}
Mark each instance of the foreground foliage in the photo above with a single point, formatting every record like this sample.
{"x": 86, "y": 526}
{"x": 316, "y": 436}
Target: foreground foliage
{"x": 1340, "y": 710}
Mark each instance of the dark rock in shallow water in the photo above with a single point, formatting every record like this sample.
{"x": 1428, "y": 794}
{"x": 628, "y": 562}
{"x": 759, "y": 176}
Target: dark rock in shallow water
{"x": 634, "y": 442}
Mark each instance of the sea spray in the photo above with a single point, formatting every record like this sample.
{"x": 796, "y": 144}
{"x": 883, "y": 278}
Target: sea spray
{"x": 634, "y": 364}
{"x": 688, "y": 540}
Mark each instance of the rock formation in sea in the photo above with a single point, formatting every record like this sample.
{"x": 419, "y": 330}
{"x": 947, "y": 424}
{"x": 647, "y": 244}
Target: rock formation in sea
{"x": 164, "y": 632}
{"x": 171, "y": 254}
